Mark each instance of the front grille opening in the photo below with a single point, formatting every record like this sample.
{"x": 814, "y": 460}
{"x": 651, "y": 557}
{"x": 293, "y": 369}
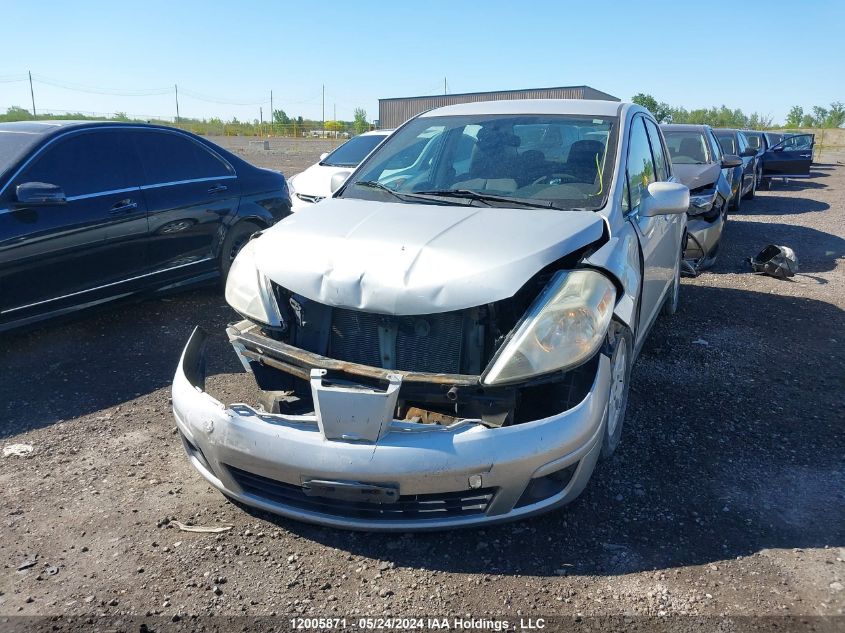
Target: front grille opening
{"x": 195, "y": 452}
{"x": 433, "y": 507}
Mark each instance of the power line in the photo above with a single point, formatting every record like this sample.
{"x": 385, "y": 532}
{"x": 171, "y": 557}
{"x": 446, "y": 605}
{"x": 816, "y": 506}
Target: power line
{"x": 145, "y": 92}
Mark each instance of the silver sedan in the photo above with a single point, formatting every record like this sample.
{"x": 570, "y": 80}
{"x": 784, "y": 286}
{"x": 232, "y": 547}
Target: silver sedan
{"x": 448, "y": 340}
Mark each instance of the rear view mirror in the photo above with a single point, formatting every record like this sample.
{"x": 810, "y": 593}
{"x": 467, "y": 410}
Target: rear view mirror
{"x": 664, "y": 198}
{"x": 39, "y": 193}
{"x": 731, "y": 160}
{"x": 338, "y": 179}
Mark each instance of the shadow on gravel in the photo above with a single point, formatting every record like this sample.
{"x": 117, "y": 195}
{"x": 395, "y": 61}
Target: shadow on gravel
{"x": 729, "y": 448}
{"x": 817, "y": 251}
{"x": 105, "y": 358}
{"x": 773, "y": 204}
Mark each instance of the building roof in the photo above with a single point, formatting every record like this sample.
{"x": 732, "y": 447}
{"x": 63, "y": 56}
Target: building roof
{"x": 458, "y": 95}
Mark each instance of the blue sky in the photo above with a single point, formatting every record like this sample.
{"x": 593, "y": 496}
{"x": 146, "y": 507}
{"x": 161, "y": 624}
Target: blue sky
{"x": 760, "y": 56}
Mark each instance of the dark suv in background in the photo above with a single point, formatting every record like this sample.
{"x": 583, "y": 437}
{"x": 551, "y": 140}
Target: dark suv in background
{"x": 746, "y": 176}
{"x": 96, "y": 211}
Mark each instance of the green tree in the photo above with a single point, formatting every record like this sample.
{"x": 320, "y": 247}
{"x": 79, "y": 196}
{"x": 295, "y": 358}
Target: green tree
{"x": 360, "y": 124}
{"x": 836, "y": 115}
{"x": 280, "y": 117}
{"x": 819, "y": 116}
{"x": 795, "y": 116}
{"x": 807, "y": 121}
{"x": 661, "y": 111}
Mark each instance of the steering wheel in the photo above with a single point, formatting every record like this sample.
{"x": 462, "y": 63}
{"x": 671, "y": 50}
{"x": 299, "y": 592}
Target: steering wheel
{"x": 555, "y": 179}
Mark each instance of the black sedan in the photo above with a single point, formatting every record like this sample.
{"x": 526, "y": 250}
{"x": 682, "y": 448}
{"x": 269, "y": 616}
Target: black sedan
{"x": 95, "y": 211}
{"x": 781, "y": 155}
{"x": 746, "y": 176}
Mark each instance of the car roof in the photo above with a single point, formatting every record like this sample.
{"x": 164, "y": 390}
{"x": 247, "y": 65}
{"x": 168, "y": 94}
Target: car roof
{"x": 531, "y": 106}
{"x": 685, "y": 127}
{"x": 726, "y": 129}
{"x": 46, "y": 128}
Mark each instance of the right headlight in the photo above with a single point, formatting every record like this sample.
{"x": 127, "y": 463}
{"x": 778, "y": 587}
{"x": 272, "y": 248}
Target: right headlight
{"x": 564, "y": 327}
{"x": 249, "y": 292}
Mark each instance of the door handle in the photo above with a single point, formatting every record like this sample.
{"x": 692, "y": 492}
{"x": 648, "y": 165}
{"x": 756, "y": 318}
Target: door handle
{"x": 218, "y": 189}
{"x": 124, "y": 206}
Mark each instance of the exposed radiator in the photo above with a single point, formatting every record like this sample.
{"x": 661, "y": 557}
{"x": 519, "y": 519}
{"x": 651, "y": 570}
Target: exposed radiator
{"x": 427, "y": 343}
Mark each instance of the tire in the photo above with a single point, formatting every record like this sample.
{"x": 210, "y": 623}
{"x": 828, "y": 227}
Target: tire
{"x": 765, "y": 183}
{"x": 670, "y": 305}
{"x": 620, "y": 342}
{"x": 234, "y": 241}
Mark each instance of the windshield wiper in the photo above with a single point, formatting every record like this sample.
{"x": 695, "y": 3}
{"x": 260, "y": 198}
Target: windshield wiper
{"x": 401, "y": 195}
{"x": 489, "y": 197}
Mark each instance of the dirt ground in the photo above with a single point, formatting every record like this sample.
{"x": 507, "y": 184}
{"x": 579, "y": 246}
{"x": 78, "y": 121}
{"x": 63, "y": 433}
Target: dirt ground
{"x": 726, "y": 496}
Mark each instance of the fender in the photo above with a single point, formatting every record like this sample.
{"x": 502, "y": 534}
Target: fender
{"x": 620, "y": 257}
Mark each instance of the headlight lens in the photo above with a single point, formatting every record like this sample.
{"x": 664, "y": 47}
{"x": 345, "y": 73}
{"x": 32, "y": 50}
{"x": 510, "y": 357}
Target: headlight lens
{"x": 248, "y": 291}
{"x": 564, "y": 327}
{"x": 701, "y": 201}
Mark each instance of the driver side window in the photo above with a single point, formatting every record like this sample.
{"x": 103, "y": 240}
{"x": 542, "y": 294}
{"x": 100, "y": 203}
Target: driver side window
{"x": 640, "y": 166}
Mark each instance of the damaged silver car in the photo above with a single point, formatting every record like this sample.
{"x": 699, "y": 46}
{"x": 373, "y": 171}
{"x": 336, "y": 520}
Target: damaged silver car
{"x": 448, "y": 340}
{"x": 700, "y": 164}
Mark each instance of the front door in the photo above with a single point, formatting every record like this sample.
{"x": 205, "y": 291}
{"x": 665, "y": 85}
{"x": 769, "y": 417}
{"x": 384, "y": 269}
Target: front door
{"x": 790, "y": 158}
{"x": 55, "y": 256}
{"x": 659, "y": 235}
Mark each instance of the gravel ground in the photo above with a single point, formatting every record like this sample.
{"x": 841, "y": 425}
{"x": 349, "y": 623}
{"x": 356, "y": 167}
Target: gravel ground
{"x": 725, "y": 497}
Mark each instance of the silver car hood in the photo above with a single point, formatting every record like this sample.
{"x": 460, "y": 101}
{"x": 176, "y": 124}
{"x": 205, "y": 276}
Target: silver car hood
{"x": 394, "y": 258}
{"x": 694, "y": 176}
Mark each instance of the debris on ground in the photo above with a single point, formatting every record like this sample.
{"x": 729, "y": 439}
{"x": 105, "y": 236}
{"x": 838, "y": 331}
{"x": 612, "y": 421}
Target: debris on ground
{"x": 775, "y": 261}
{"x": 28, "y": 562}
{"x": 17, "y": 450}
{"x": 203, "y": 529}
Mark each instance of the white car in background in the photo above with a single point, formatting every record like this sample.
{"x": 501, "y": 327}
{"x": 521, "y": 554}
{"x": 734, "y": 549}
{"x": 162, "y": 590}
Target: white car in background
{"x": 314, "y": 184}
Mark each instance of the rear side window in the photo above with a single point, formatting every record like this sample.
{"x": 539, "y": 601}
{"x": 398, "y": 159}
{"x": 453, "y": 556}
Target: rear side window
{"x": 168, "y": 157}
{"x": 86, "y": 163}
{"x": 728, "y": 144}
{"x": 640, "y": 163}
{"x": 657, "y": 151}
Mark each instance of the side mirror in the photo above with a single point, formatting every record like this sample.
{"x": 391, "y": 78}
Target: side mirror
{"x": 30, "y": 194}
{"x": 749, "y": 151}
{"x": 324, "y": 156}
{"x": 338, "y": 179}
{"x": 730, "y": 161}
{"x": 777, "y": 148}
{"x": 664, "y": 198}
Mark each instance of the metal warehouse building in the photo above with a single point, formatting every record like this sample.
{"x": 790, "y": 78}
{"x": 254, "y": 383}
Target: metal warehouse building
{"x": 395, "y": 111}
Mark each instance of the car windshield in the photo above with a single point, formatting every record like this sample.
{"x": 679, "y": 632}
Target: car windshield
{"x": 754, "y": 140}
{"x": 686, "y": 147}
{"x": 728, "y": 142}
{"x": 544, "y": 160}
{"x": 353, "y": 151}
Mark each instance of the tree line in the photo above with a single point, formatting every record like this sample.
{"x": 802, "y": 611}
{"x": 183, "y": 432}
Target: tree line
{"x": 818, "y": 117}
{"x": 280, "y": 124}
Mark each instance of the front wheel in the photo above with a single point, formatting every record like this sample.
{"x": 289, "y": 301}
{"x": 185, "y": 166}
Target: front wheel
{"x": 621, "y": 358}
{"x": 753, "y": 190}
{"x": 737, "y": 201}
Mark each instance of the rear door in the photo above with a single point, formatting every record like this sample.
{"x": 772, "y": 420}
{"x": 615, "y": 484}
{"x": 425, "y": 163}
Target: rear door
{"x": 790, "y": 158}
{"x": 189, "y": 191}
{"x": 56, "y": 256}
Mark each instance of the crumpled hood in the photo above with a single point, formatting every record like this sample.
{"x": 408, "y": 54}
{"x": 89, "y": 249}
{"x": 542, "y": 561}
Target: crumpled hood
{"x": 694, "y": 176}
{"x": 394, "y": 258}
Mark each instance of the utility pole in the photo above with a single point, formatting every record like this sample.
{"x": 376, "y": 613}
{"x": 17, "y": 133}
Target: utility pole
{"x": 176, "y": 89}
{"x": 323, "y": 131}
{"x": 272, "y": 115}
{"x": 334, "y": 118}
{"x": 32, "y": 94}
{"x": 444, "y": 85}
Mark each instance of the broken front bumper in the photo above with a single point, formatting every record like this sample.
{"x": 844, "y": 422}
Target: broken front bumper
{"x": 414, "y": 477}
